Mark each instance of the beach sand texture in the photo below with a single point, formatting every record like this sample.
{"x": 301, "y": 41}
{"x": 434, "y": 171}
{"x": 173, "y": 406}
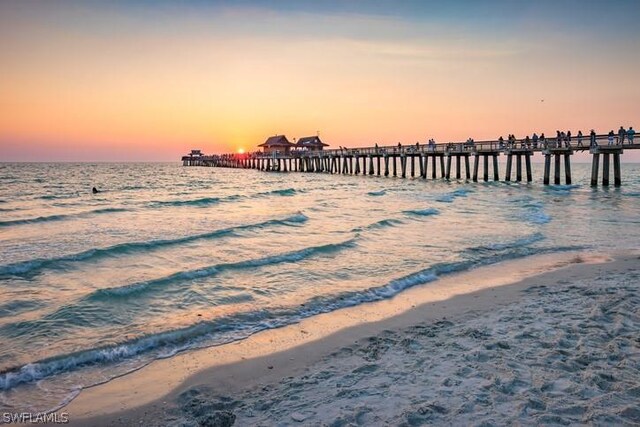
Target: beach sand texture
{"x": 559, "y": 348}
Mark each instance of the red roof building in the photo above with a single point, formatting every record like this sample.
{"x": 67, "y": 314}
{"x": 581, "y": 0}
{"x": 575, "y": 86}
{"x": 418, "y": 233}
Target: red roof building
{"x": 277, "y": 144}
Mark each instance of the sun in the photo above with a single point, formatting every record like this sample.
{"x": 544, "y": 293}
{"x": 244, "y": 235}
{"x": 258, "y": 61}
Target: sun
{"x": 240, "y": 150}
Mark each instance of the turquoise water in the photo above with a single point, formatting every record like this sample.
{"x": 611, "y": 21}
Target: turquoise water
{"x": 168, "y": 258}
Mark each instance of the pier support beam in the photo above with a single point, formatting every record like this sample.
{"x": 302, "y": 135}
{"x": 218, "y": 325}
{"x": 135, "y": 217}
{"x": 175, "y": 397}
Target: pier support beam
{"x": 607, "y": 151}
{"x": 485, "y": 161}
{"x": 476, "y": 160}
{"x": 617, "y": 176}
{"x": 466, "y": 167}
{"x": 426, "y": 166}
{"x": 595, "y": 165}
{"x": 484, "y": 157}
{"x": 507, "y": 176}
{"x": 547, "y": 168}
{"x": 557, "y": 153}
{"x": 605, "y": 169}
{"x": 527, "y": 158}
{"x": 567, "y": 168}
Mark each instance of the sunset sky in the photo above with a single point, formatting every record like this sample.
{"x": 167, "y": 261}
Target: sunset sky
{"x": 150, "y": 80}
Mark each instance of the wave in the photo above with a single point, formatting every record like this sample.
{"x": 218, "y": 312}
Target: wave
{"x": 561, "y": 188}
{"x": 208, "y": 201}
{"x": 56, "y": 197}
{"x": 522, "y": 241}
{"x": 534, "y": 213}
{"x": 35, "y": 266}
{"x": 242, "y": 325}
{"x": 205, "y": 201}
{"x": 60, "y": 217}
{"x": 289, "y": 257}
{"x": 383, "y": 223}
{"x": 98, "y": 308}
{"x": 422, "y": 212}
{"x": 377, "y": 193}
{"x": 12, "y": 308}
{"x": 450, "y": 197}
{"x": 538, "y": 217}
{"x": 282, "y": 192}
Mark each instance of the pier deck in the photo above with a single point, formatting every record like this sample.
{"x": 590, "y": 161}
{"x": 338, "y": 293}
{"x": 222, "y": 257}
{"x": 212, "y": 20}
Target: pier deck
{"x": 401, "y": 160}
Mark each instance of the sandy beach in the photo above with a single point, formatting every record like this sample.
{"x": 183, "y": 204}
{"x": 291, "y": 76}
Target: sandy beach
{"x": 524, "y": 346}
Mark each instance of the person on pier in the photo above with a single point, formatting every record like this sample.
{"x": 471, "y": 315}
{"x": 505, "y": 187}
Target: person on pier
{"x": 621, "y": 134}
{"x": 630, "y": 134}
{"x": 610, "y": 137}
{"x": 534, "y": 140}
{"x": 580, "y": 139}
{"x": 501, "y": 142}
{"x": 592, "y": 139}
{"x": 567, "y": 139}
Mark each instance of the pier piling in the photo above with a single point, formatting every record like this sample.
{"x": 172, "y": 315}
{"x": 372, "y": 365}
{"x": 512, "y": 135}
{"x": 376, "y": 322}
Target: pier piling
{"x": 507, "y": 176}
{"x": 617, "y": 177}
{"x": 485, "y": 160}
{"x": 605, "y": 169}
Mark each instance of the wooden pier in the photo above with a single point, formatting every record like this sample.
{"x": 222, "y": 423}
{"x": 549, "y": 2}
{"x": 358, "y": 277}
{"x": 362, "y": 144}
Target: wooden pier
{"x": 436, "y": 161}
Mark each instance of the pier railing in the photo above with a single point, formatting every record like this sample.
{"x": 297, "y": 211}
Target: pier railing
{"x": 576, "y": 144}
{"x": 373, "y": 160}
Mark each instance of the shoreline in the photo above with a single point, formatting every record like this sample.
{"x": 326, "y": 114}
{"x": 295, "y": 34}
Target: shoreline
{"x": 271, "y": 355}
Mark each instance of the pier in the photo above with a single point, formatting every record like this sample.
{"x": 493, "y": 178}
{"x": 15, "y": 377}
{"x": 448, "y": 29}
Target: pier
{"x": 439, "y": 160}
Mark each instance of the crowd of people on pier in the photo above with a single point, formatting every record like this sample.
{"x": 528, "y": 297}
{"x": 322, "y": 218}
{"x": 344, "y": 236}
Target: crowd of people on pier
{"x": 561, "y": 140}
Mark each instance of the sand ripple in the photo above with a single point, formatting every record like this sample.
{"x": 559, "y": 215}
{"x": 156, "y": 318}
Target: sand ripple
{"x": 562, "y": 355}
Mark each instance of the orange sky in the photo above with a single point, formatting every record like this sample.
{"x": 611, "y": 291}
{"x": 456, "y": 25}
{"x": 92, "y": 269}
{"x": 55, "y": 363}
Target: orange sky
{"x": 118, "y": 81}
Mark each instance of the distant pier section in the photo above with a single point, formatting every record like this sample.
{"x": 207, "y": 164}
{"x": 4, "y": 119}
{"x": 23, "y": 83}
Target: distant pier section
{"x": 459, "y": 160}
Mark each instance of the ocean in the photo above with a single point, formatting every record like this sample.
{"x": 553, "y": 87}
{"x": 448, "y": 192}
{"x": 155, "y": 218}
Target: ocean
{"x": 169, "y": 258}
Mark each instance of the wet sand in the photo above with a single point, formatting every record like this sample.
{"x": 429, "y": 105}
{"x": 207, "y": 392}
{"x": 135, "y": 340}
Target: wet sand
{"x": 551, "y": 339}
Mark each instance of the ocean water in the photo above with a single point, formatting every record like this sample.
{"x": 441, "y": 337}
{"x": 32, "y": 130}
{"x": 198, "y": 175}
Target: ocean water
{"x": 169, "y": 258}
